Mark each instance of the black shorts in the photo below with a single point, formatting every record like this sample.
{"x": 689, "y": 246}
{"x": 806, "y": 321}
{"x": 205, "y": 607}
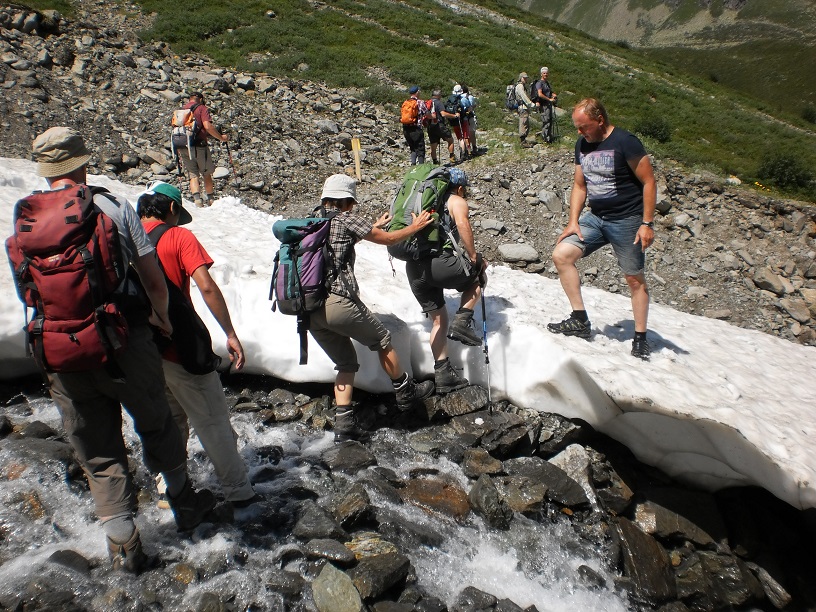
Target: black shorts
{"x": 428, "y": 277}
{"x": 438, "y": 132}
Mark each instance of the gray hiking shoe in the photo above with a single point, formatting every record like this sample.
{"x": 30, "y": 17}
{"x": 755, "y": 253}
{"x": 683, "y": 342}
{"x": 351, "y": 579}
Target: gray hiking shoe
{"x": 411, "y": 392}
{"x": 461, "y": 328}
{"x": 447, "y": 379}
{"x": 571, "y": 327}
{"x": 190, "y": 507}
{"x": 346, "y": 426}
{"x": 130, "y": 557}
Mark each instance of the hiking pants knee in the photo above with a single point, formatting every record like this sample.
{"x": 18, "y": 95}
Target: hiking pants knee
{"x": 200, "y": 400}
{"x": 341, "y": 320}
{"x": 524, "y": 123}
{"x": 90, "y": 404}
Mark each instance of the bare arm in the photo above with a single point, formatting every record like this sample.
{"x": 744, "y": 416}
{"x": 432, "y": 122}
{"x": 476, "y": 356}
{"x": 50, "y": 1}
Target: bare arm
{"x": 458, "y": 208}
{"x": 155, "y": 285}
{"x": 208, "y": 125}
{"x": 378, "y": 235}
{"x": 218, "y": 307}
{"x": 643, "y": 170}
{"x": 577, "y": 201}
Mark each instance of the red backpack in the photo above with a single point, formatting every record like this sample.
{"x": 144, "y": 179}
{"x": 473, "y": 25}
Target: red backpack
{"x": 67, "y": 264}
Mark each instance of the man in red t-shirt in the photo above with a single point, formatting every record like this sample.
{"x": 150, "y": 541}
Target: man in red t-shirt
{"x": 197, "y": 398}
{"x": 199, "y": 161}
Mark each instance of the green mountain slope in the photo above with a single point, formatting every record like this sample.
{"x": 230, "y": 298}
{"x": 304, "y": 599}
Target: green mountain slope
{"x": 382, "y": 46}
{"x": 765, "y": 48}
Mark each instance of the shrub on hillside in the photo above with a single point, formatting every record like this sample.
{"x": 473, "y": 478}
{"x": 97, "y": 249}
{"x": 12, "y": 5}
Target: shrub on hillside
{"x": 655, "y": 127}
{"x": 785, "y": 171}
{"x": 809, "y": 113}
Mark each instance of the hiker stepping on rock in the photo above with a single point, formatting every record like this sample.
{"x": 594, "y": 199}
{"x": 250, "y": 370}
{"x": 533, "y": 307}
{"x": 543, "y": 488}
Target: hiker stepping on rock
{"x": 344, "y": 317}
{"x": 450, "y": 267}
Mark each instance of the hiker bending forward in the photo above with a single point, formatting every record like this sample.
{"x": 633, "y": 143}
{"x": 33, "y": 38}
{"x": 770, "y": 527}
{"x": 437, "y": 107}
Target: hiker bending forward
{"x": 447, "y": 270}
{"x": 344, "y": 316}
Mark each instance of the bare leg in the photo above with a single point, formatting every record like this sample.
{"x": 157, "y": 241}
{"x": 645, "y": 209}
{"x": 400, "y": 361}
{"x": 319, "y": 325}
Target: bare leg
{"x": 389, "y": 360}
{"x": 439, "y": 330}
{"x": 640, "y": 300}
{"x": 343, "y": 388}
{"x": 564, "y": 257}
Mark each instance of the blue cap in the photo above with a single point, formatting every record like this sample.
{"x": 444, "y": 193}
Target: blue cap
{"x": 458, "y": 177}
{"x": 414, "y": 89}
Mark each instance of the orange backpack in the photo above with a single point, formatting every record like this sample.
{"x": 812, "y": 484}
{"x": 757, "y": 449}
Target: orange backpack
{"x": 409, "y": 113}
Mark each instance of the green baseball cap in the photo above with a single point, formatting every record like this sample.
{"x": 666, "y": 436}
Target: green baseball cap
{"x": 166, "y": 189}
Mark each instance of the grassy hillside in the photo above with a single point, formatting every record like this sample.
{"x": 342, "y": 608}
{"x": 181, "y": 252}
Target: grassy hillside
{"x": 767, "y": 48}
{"x": 384, "y": 46}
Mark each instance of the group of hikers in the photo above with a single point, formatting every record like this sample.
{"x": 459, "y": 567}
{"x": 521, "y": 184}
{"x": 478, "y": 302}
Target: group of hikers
{"x": 456, "y": 112}
{"x": 538, "y": 96}
{"x": 125, "y": 352}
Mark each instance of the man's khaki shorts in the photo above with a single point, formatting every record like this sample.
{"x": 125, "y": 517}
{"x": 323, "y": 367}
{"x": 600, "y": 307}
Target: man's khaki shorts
{"x": 201, "y": 162}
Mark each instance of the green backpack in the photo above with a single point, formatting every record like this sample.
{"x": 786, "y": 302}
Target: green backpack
{"x": 423, "y": 188}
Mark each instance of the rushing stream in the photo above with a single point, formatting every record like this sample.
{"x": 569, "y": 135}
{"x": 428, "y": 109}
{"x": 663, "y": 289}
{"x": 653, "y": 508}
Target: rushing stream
{"x": 42, "y": 512}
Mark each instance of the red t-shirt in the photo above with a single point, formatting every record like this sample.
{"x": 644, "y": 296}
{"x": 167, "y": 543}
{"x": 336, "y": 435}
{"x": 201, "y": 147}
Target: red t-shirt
{"x": 201, "y": 114}
{"x": 180, "y": 254}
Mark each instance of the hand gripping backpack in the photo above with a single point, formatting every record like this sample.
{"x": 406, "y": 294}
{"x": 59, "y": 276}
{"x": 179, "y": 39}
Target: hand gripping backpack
{"x": 67, "y": 266}
{"x": 299, "y": 283}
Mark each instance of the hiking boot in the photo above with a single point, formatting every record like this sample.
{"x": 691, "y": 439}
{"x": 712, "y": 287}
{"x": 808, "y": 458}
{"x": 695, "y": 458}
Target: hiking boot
{"x": 447, "y": 379}
{"x": 130, "y": 557}
{"x": 571, "y": 327}
{"x": 461, "y": 329}
{"x": 246, "y": 503}
{"x": 411, "y": 392}
{"x": 190, "y": 507}
{"x": 198, "y": 202}
{"x": 346, "y": 426}
{"x": 641, "y": 348}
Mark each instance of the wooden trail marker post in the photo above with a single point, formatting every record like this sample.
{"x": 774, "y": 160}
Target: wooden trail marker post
{"x": 355, "y": 147}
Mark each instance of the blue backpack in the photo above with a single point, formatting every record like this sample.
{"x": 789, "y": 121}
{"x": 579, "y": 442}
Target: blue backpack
{"x": 299, "y": 284}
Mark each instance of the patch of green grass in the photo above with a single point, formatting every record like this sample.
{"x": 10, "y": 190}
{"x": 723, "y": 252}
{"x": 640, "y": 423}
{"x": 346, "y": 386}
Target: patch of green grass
{"x": 62, "y": 6}
{"x": 425, "y": 43}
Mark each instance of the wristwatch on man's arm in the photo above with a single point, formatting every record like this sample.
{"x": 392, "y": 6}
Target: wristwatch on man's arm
{"x": 649, "y": 224}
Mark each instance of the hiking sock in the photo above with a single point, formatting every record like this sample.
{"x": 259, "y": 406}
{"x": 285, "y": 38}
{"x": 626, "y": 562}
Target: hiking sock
{"x": 398, "y": 382}
{"x": 175, "y": 480}
{"x": 120, "y": 527}
{"x": 640, "y": 335}
{"x": 580, "y": 315}
{"x": 440, "y": 363}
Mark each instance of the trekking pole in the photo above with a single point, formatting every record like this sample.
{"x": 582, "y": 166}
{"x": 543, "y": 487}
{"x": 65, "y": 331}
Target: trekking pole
{"x": 554, "y": 123}
{"x": 235, "y": 180}
{"x": 486, "y": 354}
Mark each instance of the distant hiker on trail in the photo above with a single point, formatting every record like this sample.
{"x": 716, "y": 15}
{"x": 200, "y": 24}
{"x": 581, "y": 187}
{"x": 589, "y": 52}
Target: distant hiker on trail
{"x": 458, "y": 105}
{"x": 438, "y": 129}
{"x": 196, "y": 396}
{"x": 524, "y": 106}
{"x": 412, "y": 116}
{"x": 198, "y": 160}
{"x": 428, "y": 278}
{"x": 90, "y": 399}
{"x": 614, "y": 175}
{"x": 471, "y": 118}
{"x": 545, "y": 99}
{"x": 344, "y": 316}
